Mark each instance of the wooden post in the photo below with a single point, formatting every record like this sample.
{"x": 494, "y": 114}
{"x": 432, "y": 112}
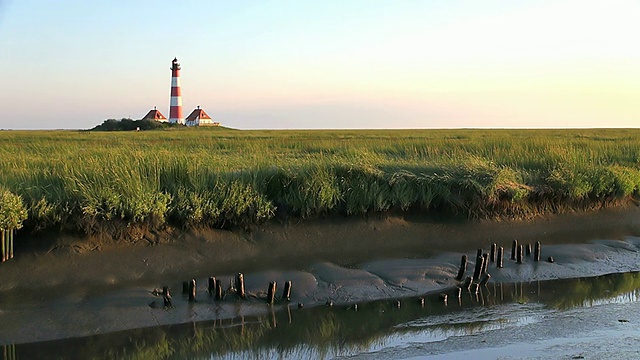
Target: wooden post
{"x": 444, "y": 298}
{"x": 286, "y": 294}
{"x": 271, "y": 293}
{"x": 463, "y": 267}
{"x": 485, "y": 279}
{"x": 166, "y": 296}
{"x": 212, "y": 285}
{"x": 467, "y": 283}
{"x": 500, "y": 257}
{"x": 492, "y": 254}
{"x": 479, "y": 253}
{"x": 219, "y": 291}
{"x": 527, "y": 250}
{"x": 185, "y": 287}
{"x": 536, "y": 251}
{"x": 4, "y": 249}
{"x": 11, "y": 233}
{"x": 192, "y": 290}
{"x": 485, "y": 263}
{"x": 479, "y": 266}
{"x": 550, "y": 259}
{"x": 240, "y": 285}
{"x": 519, "y": 254}
{"x": 514, "y": 245}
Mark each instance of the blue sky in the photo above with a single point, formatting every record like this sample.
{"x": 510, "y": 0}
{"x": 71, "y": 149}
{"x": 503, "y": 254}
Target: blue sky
{"x": 331, "y": 64}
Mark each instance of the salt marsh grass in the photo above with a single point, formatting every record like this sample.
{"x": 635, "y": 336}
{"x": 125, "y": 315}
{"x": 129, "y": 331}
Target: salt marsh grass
{"x": 79, "y": 180}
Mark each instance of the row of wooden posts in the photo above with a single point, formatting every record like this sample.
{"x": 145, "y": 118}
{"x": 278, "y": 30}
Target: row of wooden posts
{"x": 496, "y": 254}
{"x": 480, "y": 273}
{"x": 216, "y": 290}
{"x": 7, "y": 244}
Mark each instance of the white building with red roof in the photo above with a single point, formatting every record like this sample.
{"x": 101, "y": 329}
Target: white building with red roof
{"x": 200, "y": 118}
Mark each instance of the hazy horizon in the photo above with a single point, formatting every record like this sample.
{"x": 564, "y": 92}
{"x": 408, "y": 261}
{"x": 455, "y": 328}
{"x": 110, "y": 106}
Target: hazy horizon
{"x": 336, "y": 65}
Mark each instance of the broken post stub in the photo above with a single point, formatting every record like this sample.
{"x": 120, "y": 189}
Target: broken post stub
{"x": 271, "y": 293}
{"x": 463, "y": 267}
{"x": 286, "y": 294}
{"x": 519, "y": 254}
{"x": 500, "y": 258}
{"x": 479, "y": 266}
{"x": 536, "y": 251}
{"x": 192, "y": 290}
{"x": 240, "y": 285}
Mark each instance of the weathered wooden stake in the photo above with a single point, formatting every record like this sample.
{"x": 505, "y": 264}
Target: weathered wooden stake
{"x": 444, "y": 298}
{"x": 185, "y": 287}
{"x": 219, "y": 291}
{"x": 485, "y": 279}
{"x": 479, "y": 266}
{"x": 519, "y": 254}
{"x": 492, "y": 254}
{"x": 166, "y": 296}
{"x": 286, "y": 294}
{"x": 485, "y": 263}
{"x": 500, "y": 257}
{"x": 11, "y": 233}
{"x": 514, "y": 245}
{"x": 467, "y": 283}
{"x": 212, "y": 285}
{"x": 240, "y": 285}
{"x": 4, "y": 250}
{"x": 192, "y": 290}
{"x": 550, "y": 259}
{"x": 463, "y": 267}
{"x": 536, "y": 251}
{"x": 271, "y": 293}
{"x": 479, "y": 253}
{"x": 527, "y": 250}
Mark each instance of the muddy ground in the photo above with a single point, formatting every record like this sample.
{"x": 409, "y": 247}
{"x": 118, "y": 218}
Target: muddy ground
{"x": 52, "y": 292}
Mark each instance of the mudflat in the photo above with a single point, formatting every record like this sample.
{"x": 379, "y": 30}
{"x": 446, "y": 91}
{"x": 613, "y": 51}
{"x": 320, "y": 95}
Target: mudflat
{"x": 55, "y": 291}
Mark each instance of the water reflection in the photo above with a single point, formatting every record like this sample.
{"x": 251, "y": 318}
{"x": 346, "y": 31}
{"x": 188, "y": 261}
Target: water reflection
{"x": 341, "y": 330}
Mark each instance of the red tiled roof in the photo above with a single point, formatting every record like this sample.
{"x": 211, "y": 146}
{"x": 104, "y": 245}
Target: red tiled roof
{"x": 197, "y": 113}
{"x": 154, "y": 115}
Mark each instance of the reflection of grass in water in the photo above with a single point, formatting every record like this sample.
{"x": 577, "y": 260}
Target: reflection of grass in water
{"x": 319, "y": 337}
{"x": 582, "y": 292}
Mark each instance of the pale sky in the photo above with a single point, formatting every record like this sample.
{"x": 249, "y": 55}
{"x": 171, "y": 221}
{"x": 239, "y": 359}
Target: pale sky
{"x": 323, "y": 64}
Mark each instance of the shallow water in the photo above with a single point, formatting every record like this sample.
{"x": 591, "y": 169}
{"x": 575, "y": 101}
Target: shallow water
{"x": 591, "y": 317}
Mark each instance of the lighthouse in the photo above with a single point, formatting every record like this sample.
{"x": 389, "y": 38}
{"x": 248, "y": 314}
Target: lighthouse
{"x": 175, "y": 106}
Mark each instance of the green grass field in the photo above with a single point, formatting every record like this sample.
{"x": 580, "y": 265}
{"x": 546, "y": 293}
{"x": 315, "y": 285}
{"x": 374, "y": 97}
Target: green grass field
{"x": 78, "y": 180}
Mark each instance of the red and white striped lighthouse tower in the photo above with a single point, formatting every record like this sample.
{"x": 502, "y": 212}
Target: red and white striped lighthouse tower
{"x": 175, "y": 106}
